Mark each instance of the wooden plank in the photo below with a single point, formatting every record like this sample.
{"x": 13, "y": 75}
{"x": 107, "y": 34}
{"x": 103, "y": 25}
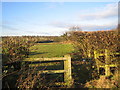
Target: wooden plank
{"x": 101, "y": 54}
{"x": 102, "y": 66}
{"x": 52, "y": 71}
{"x": 111, "y": 65}
{"x": 60, "y": 83}
{"x": 45, "y": 59}
{"x": 116, "y": 53}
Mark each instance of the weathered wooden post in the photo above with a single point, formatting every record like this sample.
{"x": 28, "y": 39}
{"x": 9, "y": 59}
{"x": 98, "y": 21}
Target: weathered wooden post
{"x": 89, "y": 53}
{"x": 95, "y": 54}
{"x": 67, "y": 68}
{"x": 95, "y": 57}
{"x": 107, "y": 68}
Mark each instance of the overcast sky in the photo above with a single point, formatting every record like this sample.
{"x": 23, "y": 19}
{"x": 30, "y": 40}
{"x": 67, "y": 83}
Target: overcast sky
{"x": 54, "y": 18}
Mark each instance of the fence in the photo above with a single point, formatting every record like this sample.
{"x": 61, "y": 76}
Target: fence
{"x": 107, "y": 64}
{"x": 67, "y": 68}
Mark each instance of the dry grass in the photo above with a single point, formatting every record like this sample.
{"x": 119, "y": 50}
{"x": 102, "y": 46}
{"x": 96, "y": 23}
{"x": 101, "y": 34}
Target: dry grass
{"x": 102, "y": 82}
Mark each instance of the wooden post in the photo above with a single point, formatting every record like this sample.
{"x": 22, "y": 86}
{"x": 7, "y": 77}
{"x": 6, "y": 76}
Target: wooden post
{"x": 107, "y": 68}
{"x": 89, "y": 53}
{"x": 67, "y": 74}
{"x": 95, "y": 57}
{"x": 106, "y": 57}
{"x": 95, "y": 54}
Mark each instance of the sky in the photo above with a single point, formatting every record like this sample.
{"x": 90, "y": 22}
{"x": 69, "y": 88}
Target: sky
{"x": 55, "y": 18}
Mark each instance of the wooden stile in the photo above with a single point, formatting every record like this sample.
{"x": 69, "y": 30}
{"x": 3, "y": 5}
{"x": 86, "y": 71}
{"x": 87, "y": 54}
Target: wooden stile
{"x": 107, "y": 63}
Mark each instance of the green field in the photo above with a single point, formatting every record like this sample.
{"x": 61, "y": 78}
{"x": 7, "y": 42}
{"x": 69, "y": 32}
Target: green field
{"x": 50, "y": 50}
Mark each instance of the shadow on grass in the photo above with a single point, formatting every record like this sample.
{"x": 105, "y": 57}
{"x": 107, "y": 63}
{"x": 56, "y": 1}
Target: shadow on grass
{"x": 35, "y": 53}
{"x": 47, "y": 41}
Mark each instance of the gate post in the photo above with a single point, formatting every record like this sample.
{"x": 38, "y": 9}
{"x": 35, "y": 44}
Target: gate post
{"x": 107, "y": 68}
{"x": 67, "y": 68}
{"x": 95, "y": 57}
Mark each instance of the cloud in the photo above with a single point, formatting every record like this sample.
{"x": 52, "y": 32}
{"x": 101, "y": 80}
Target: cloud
{"x": 60, "y": 24}
{"x": 9, "y": 27}
{"x": 94, "y": 27}
{"x": 91, "y": 27}
{"x": 33, "y": 32}
{"x": 109, "y": 11}
{"x": 101, "y": 19}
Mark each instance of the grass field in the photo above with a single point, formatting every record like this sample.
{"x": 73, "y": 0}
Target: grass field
{"x": 54, "y": 50}
{"x": 50, "y": 50}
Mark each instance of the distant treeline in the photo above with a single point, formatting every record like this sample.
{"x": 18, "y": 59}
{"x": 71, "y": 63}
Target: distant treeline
{"x": 36, "y": 38}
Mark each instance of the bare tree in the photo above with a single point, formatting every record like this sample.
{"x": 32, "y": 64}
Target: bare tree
{"x": 75, "y": 28}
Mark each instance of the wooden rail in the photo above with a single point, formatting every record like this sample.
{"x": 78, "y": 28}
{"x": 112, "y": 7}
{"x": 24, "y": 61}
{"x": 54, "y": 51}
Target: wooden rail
{"x": 67, "y": 67}
{"x": 53, "y": 71}
{"x": 45, "y": 59}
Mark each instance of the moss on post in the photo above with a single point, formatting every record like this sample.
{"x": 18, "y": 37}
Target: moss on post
{"x": 107, "y": 67}
{"x": 107, "y": 70}
{"x": 67, "y": 68}
{"x": 95, "y": 57}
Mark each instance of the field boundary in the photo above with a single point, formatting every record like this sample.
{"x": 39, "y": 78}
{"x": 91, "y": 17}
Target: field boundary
{"x": 67, "y": 67}
{"x": 107, "y": 64}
